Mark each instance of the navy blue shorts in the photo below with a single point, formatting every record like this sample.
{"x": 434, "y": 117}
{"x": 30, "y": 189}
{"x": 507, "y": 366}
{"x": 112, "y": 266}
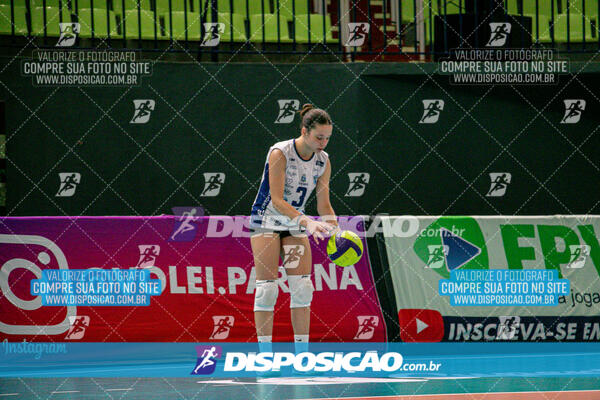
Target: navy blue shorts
{"x": 282, "y": 234}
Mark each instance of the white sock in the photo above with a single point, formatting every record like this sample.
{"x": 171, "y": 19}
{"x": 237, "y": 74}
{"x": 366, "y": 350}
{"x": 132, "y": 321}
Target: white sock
{"x": 264, "y": 344}
{"x": 301, "y": 343}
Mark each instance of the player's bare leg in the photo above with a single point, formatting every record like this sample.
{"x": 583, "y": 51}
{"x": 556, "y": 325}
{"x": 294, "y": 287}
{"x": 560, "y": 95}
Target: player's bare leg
{"x": 300, "y": 316}
{"x": 265, "y": 248}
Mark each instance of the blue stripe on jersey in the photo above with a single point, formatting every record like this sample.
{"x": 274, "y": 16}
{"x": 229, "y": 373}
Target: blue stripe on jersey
{"x": 262, "y": 199}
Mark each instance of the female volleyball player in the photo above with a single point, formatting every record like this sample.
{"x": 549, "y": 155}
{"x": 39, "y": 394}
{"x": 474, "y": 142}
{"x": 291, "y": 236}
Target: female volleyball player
{"x": 293, "y": 169}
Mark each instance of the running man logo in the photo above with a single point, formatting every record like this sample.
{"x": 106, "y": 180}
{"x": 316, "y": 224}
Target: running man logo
{"x": 573, "y": 111}
{"x": 291, "y": 255}
{"x": 500, "y": 32}
{"x": 184, "y": 228}
{"x": 433, "y": 109}
{"x": 212, "y": 183}
{"x": 366, "y": 326}
{"x": 222, "y": 327}
{"x": 579, "y": 254}
{"x": 507, "y": 328}
{"x": 437, "y": 255}
{"x": 287, "y": 111}
{"x": 212, "y": 37}
{"x": 142, "y": 110}
{"x": 68, "y": 34}
{"x": 148, "y": 254}
{"x": 500, "y": 181}
{"x": 358, "y": 183}
{"x": 79, "y": 323}
{"x": 68, "y": 183}
{"x": 358, "y": 32}
{"x": 207, "y": 359}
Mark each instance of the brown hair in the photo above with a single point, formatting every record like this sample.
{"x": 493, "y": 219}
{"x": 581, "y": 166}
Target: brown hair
{"x": 312, "y": 116}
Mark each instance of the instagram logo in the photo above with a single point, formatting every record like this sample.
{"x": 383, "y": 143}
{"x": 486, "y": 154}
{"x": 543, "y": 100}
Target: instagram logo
{"x": 22, "y": 258}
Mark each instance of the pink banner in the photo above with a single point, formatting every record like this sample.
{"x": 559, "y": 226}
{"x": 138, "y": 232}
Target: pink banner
{"x": 208, "y": 283}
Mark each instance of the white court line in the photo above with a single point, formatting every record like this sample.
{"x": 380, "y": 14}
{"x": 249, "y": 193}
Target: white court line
{"x": 395, "y": 396}
{"x": 114, "y": 390}
{"x": 314, "y": 381}
{"x": 9, "y": 394}
{"x": 65, "y": 391}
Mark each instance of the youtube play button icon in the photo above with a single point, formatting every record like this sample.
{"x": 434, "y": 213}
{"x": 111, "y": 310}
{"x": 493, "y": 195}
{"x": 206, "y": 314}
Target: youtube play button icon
{"x": 420, "y": 325}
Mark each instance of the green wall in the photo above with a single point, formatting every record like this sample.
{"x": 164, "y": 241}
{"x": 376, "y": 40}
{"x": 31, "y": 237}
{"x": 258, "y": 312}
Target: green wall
{"x": 220, "y": 118}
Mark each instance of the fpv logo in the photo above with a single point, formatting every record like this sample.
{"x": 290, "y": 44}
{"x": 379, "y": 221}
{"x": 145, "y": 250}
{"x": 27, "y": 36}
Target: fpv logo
{"x": 222, "y": 326}
{"x": 68, "y": 34}
{"x": 507, "y": 327}
{"x": 579, "y": 254}
{"x": 287, "y": 111}
{"x": 68, "y": 183}
{"x": 358, "y": 183}
{"x": 213, "y": 34}
{"x": 573, "y": 111}
{"x": 432, "y": 111}
{"x": 212, "y": 183}
{"x": 500, "y": 32}
{"x": 358, "y": 32}
{"x": 437, "y": 255}
{"x": 500, "y": 181}
{"x": 366, "y": 326}
{"x": 142, "y": 110}
{"x": 148, "y": 254}
{"x": 78, "y": 323}
{"x": 292, "y": 255}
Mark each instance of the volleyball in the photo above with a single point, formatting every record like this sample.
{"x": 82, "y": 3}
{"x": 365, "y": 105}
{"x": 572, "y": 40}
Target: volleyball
{"x": 344, "y": 248}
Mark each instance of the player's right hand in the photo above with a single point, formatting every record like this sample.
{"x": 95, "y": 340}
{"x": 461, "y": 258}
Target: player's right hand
{"x": 317, "y": 229}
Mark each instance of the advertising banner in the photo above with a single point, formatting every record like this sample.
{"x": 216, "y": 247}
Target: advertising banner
{"x": 86, "y": 279}
{"x": 497, "y": 278}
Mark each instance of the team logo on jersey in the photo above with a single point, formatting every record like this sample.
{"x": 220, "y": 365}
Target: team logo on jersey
{"x": 500, "y": 181}
{"x": 437, "y": 255}
{"x": 579, "y": 254}
{"x": 499, "y": 35}
{"x": 68, "y": 34}
{"x": 207, "y": 359}
{"x": 358, "y": 183}
{"x": 287, "y": 111}
{"x": 432, "y": 111}
{"x": 213, "y": 30}
{"x": 358, "y": 32}
{"x": 68, "y": 183}
{"x": 507, "y": 327}
{"x": 142, "y": 111}
{"x": 573, "y": 111}
{"x": 78, "y": 323}
{"x": 222, "y": 326}
{"x": 292, "y": 255}
{"x": 148, "y": 254}
{"x": 366, "y": 326}
{"x": 184, "y": 227}
{"x": 212, "y": 183}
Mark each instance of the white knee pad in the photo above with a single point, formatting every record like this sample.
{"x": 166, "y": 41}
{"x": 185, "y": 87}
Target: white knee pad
{"x": 301, "y": 290}
{"x": 265, "y": 295}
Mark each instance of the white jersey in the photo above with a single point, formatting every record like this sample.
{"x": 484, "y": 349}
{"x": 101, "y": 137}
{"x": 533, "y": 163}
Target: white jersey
{"x": 300, "y": 180}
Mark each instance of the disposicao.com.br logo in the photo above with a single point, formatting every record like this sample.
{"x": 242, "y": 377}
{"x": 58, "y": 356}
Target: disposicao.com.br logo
{"x": 322, "y": 360}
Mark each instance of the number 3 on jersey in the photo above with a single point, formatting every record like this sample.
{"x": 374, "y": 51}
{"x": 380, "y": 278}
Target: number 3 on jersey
{"x": 300, "y": 201}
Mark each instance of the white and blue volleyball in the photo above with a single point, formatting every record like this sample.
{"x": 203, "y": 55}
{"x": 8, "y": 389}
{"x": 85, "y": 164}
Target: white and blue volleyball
{"x": 344, "y": 248}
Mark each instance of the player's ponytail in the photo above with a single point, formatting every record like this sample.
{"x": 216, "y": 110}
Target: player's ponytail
{"x": 312, "y": 116}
